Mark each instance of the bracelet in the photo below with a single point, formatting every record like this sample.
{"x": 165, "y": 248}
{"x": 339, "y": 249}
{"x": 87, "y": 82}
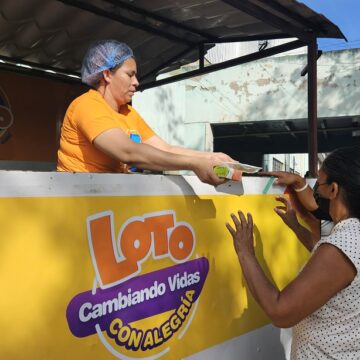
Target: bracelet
{"x": 302, "y": 188}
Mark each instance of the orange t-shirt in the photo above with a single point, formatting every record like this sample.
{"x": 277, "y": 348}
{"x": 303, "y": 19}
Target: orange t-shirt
{"x": 87, "y": 117}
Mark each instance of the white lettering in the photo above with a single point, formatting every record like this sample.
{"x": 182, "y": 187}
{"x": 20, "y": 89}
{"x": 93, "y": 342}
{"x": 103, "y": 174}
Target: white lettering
{"x": 89, "y": 311}
{"x": 82, "y": 316}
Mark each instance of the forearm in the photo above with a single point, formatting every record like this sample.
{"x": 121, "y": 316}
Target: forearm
{"x": 218, "y": 157}
{"x": 160, "y": 144}
{"x": 264, "y": 292}
{"x": 188, "y": 152}
{"x": 116, "y": 144}
{"x": 306, "y": 237}
{"x": 306, "y": 197}
{"x": 147, "y": 157}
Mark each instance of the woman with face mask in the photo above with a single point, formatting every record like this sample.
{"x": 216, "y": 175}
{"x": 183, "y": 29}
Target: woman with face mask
{"x": 308, "y": 197}
{"x": 322, "y": 303}
{"x": 310, "y": 200}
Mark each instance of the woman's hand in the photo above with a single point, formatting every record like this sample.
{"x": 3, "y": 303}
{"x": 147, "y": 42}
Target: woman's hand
{"x": 285, "y": 178}
{"x": 204, "y": 169}
{"x": 286, "y": 212}
{"x": 242, "y": 235}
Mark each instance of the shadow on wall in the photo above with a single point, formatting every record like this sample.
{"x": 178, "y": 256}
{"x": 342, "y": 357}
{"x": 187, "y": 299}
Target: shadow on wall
{"x": 175, "y": 130}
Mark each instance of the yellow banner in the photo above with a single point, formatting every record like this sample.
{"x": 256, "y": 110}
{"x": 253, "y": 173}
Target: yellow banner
{"x": 131, "y": 276}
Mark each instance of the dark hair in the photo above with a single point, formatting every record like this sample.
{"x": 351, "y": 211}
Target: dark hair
{"x": 103, "y": 55}
{"x": 343, "y": 167}
{"x": 113, "y": 69}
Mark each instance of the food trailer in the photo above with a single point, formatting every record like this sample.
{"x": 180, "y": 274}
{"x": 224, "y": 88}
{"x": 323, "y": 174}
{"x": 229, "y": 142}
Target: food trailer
{"x": 104, "y": 266}
{"x": 135, "y": 266}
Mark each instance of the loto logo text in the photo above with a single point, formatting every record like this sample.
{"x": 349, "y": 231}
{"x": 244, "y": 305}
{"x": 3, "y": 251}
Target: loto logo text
{"x": 122, "y": 294}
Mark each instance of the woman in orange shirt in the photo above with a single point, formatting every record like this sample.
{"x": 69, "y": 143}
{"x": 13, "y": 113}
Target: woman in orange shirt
{"x": 101, "y": 132}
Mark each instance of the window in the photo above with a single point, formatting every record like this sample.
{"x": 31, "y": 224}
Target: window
{"x": 277, "y": 165}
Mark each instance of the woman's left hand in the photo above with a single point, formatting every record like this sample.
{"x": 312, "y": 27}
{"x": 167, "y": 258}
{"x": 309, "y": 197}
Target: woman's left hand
{"x": 286, "y": 212}
{"x": 242, "y": 235}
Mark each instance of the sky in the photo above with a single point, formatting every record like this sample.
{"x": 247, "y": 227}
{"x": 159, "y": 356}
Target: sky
{"x": 343, "y": 13}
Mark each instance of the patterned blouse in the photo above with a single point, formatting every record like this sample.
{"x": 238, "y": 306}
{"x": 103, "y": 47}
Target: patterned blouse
{"x": 333, "y": 331}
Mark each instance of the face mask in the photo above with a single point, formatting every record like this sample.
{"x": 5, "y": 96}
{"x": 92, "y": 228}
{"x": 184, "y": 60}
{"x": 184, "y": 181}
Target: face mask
{"x": 322, "y": 212}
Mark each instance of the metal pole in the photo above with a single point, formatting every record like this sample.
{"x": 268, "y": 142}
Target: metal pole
{"x": 312, "y": 108}
{"x": 201, "y": 56}
{"x": 224, "y": 65}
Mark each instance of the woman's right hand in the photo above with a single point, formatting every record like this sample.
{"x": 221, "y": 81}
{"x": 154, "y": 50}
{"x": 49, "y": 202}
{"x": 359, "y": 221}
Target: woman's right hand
{"x": 203, "y": 167}
{"x": 285, "y": 178}
{"x": 286, "y": 212}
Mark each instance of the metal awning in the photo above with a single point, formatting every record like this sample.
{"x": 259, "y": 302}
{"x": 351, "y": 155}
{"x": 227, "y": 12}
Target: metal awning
{"x": 49, "y": 37}
{"x": 53, "y": 35}
{"x": 285, "y": 136}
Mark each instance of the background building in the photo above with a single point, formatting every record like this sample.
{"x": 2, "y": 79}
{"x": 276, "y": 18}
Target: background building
{"x": 246, "y": 96}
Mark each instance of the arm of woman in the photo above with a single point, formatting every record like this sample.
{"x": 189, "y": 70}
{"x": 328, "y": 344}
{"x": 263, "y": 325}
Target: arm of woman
{"x": 306, "y": 196}
{"x": 288, "y": 215}
{"x": 159, "y": 143}
{"x": 115, "y": 143}
{"x": 327, "y": 272}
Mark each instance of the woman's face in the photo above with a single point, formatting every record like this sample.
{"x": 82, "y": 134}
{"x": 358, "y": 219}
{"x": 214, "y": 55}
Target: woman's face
{"x": 323, "y": 188}
{"x": 324, "y": 194}
{"x": 322, "y": 182}
{"x": 123, "y": 82}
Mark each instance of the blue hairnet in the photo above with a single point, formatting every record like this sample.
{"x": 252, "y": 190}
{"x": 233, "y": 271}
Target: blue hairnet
{"x": 103, "y": 55}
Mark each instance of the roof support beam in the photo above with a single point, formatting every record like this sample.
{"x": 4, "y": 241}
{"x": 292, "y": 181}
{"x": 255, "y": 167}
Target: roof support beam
{"x": 312, "y": 108}
{"x": 324, "y": 126}
{"x": 269, "y": 18}
{"x": 263, "y": 134}
{"x": 46, "y": 71}
{"x": 226, "y": 64}
{"x": 289, "y": 127}
{"x": 304, "y": 71}
{"x": 165, "y": 64}
{"x": 201, "y": 56}
{"x": 249, "y": 38}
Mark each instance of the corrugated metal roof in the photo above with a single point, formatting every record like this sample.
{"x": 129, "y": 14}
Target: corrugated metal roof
{"x": 164, "y": 34}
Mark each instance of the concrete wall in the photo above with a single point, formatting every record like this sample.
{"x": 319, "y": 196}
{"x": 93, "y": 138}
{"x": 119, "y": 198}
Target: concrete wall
{"x": 269, "y": 89}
